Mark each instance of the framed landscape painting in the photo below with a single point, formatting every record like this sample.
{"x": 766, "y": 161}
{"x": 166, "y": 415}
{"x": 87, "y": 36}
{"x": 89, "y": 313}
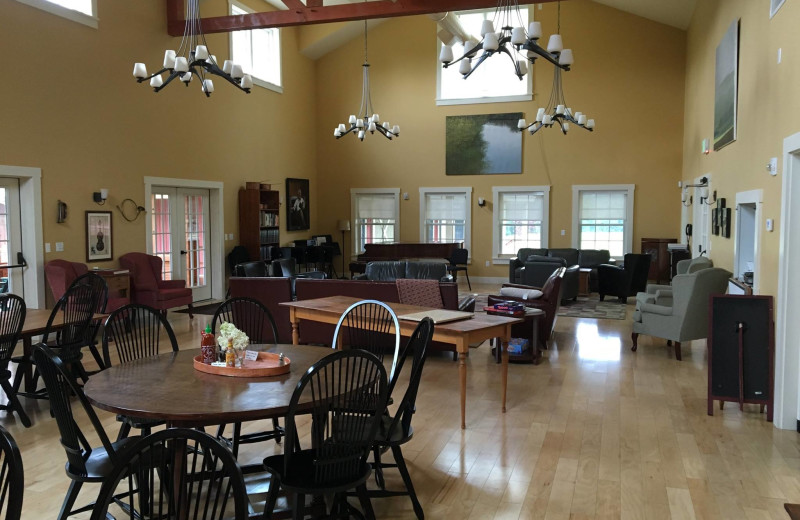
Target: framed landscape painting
{"x": 98, "y": 236}
{"x": 726, "y": 87}
{"x": 485, "y": 144}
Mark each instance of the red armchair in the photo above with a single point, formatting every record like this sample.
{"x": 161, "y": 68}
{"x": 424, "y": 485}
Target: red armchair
{"x": 549, "y": 302}
{"x": 60, "y": 275}
{"x": 149, "y": 289}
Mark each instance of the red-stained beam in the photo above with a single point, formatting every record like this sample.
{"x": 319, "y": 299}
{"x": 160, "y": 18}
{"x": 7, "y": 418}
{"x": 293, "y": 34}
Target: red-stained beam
{"x": 314, "y": 3}
{"x": 308, "y": 15}
{"x": 294, "y": 4}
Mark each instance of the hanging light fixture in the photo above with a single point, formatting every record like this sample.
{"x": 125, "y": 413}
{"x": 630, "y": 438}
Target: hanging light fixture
{"x": 193, "y": 59}
{"x": 557, "y": 111}
{"x": 366, "y": 120}
{"x": 514, "y": 41}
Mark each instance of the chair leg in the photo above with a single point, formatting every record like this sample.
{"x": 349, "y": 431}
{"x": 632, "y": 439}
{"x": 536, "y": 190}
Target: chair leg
{"x": 466, "y": 273}
{"x": 13, "y": 403}
{"x": 635, "y": 339}
{"x": 237, "y": 435}
{"x": 678, "y": 350}
{"x": 124, "y": 431}
{"x": 401, "y": 466}
{"x": 272, "y": 496}
{"x": 377, "y": 467}
{"x": 97, "y": 357}
{"x": 299, "y": 506}
{"x": 69, "y": 500}
{"x": 190, "y": 309}
{"x": 366, "y": 505}
{"x": 602, "y": 296}
{"x": 276, "y": 426}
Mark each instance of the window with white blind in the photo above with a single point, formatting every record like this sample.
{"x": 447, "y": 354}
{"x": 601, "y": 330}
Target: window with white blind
{"x": 519, "y": 219}
{"x": 445, "y": 215}
{"x": 81, "y": 11}
{"x": 258, "y": 51}
{"x": 375, "y": 216}
{"x": 602, "y": 218}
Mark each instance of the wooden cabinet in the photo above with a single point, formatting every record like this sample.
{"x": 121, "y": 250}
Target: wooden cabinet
{"x": 259, "y": 221}
{"x": 659, "y": 263}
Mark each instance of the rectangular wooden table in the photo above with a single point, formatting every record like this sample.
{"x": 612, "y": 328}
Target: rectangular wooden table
{"x": 458, "y": 333}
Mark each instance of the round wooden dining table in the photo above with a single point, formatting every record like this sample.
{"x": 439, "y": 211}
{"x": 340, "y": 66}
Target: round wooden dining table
{"x": 167, "y": 387}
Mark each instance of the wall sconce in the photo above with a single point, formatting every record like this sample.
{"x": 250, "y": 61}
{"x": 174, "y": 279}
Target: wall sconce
{"x": 100, "y": 196}
{"x": 481, "y": 202}
{"x": 704, "y": 196}
{"x": 686, "y": 199}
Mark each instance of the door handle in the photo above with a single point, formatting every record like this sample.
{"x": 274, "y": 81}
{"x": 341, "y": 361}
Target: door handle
{"x": 183, "y": 252}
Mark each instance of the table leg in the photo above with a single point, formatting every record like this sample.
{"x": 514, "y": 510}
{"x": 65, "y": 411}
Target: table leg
{"x": 504, "y": 370}
{"x": 27, "y": 368}
{"x": 462, "y": 348}
{"x": 295, "y": 326}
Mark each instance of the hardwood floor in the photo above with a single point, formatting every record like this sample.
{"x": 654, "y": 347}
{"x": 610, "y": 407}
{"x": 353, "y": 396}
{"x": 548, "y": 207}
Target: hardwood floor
{"x": 594, "y": 431}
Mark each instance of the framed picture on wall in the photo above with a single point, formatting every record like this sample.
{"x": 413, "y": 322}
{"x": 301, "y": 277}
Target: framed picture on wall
{"x": 299, "y": 211}
{"x": 98, "y": 236}
{"x": 726, "y": 79}
{"x": 483, "y": 144}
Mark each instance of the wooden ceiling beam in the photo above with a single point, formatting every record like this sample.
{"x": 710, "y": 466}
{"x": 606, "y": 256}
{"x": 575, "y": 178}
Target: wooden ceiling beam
{"x": 314, "y": 12}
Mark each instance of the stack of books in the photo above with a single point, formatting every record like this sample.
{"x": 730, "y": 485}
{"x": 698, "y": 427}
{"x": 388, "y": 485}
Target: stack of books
{"x": 509, "y": 308}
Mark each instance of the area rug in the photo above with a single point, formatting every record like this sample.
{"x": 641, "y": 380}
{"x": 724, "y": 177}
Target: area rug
{"x": 207, "y": 310}
{"x": 592, "y": 307}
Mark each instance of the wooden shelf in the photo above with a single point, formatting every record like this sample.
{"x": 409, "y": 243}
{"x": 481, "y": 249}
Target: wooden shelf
{"x": 254, "y": 206}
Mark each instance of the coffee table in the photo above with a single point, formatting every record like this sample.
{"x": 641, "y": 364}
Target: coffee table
{"x": 458, "y": 333}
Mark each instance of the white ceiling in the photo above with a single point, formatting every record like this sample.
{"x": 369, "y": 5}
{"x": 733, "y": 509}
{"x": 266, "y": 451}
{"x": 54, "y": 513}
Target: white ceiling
{"x": 677, "y": 13}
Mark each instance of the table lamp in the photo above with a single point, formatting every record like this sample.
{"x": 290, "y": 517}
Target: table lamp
{"x": 343, "y": 225}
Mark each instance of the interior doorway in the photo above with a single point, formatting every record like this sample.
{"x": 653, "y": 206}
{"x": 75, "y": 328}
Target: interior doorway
{"x": 185, "y": 229}
{"x": 747, "y": 238}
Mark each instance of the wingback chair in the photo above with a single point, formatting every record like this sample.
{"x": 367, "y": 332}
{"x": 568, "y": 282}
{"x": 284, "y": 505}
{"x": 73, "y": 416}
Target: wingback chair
{"x": 687, "y": 318}
{"x": 60, "y": 275}
{"x": 549, "y": 302}
{"x": 661, "y": 294}
{"x": 624, "y": 281}
{"x": 149, "y": 289}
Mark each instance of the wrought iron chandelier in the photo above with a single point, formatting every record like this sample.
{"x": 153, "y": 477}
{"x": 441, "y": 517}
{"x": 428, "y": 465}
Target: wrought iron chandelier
{"x": 519, "y": 45}
{"x": 366, "y": 120}
{"x": 557, "y": 111}
{"x": 193, "y": 59}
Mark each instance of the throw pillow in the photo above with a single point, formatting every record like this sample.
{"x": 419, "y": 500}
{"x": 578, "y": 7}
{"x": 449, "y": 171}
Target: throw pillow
{"x": 524, "y": 294}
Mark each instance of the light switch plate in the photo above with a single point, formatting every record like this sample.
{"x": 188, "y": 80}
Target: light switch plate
{"x": 47, "y": 247}
{"x": 59, "y": 246}
{"x": 563, "y": 232}
{"x": 770, "y": 224}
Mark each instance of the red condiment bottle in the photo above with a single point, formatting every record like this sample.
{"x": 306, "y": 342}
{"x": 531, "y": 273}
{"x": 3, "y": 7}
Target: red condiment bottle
{"x": 208, "y": 346}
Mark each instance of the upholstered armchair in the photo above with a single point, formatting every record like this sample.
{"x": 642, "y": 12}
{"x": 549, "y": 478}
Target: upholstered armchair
{"x": 149, "y": 289}
{"x": 60, "y": 275}
{"x": 662, "y": 294}
{"x": 626, "y": 280}
{"x": 549, "y": 302}
{"x": 686, "y": 318}
{"x": 259, "y": 268}
{"x": 539, "y": 268}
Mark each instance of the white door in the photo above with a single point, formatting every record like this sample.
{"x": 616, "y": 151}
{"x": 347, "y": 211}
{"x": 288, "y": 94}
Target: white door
{"x": 180, "y": 237}
{"x": 10, "y": 238}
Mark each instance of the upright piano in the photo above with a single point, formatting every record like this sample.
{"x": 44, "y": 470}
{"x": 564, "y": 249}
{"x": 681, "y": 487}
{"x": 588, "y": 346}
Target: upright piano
{"x": 402, "y": 250}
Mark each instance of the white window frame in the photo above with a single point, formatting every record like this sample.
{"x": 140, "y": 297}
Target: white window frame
{"x": 497, "y": 258}
{"x": 440, "y": 101}
{"x": 256, "y": 80}
{"x": 467, "y": 192}
{"x": 65, "y": 12}
{"x": 629, "y": 203}
{"x": 354, "y": 193}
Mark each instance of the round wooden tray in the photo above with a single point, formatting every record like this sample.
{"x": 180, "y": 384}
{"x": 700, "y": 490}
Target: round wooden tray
{"x": 267, "y": 364}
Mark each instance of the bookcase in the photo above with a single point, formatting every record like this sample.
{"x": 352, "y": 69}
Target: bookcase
{"x": 259, "y": 230}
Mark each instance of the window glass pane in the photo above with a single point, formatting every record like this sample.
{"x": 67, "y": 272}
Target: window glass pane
{"x": 521, "y": 220}
{"x": 375, "y": 220}
{"x": 603, "y": 217}
{"x": 445, "y": 217}
{"x": 83, "y": 6}
{"x": 494, "y": 78}
{"x": 258, "y": 51}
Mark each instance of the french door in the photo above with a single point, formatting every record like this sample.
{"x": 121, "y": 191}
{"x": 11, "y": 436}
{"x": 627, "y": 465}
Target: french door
{"x": 181, "y": 238}
{"x": 11, "y": 259}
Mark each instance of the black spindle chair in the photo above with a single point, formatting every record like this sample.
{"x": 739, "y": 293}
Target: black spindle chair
{"x": 12, "y": 477}
{"x": 367, "y": 325}
{"x": 84, "y": 463}
{"x": 99, "y": 289}
{"x": 458, "y": 262}
{"x": 136, "y": 332}
{"x": 69, "y": 328}
{"x": 179, "y": 473}
{"x": 346, "y": 394}
{"x": 254, "y": 319}
{"x": 12, "y": 318}
{"x": 396, "y": 431}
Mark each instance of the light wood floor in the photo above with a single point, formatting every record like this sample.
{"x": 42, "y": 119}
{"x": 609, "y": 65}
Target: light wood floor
{"x": 595, "y": 431}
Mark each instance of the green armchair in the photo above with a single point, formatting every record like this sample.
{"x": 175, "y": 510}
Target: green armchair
{"x": 686, "y": 318}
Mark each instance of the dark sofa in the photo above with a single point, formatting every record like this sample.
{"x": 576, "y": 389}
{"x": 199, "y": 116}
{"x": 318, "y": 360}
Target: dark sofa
{"x": 538, "y": 269}
{"x": 391, "y": 270}
{"x": 272, "y": 291}
{"x": 583, "y": 258}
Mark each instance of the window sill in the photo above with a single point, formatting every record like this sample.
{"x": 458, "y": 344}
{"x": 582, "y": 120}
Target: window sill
{"x": 69, "y": 14}
{"x": 501, "y": 261}
{"x": 267, "y": 85}
{"x": 471, "y": 101}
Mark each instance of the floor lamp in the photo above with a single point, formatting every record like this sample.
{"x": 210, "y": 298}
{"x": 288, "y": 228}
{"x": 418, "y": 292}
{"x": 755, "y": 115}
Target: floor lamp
{"x": 343, "y": 225}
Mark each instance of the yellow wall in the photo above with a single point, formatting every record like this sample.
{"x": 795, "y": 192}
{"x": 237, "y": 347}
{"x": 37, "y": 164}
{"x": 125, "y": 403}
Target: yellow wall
{"x": 71, "y": 107}
{"x": 629, "y": 75}
{"x": 768, "y": 110}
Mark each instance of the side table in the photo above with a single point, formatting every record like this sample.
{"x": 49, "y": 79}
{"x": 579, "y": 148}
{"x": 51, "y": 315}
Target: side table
{"x": 528, "y": 329}
{"x": 583, "y": 281}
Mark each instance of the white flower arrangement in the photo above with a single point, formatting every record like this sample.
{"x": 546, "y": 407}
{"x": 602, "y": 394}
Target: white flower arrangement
{"x": 228, "y": 330}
